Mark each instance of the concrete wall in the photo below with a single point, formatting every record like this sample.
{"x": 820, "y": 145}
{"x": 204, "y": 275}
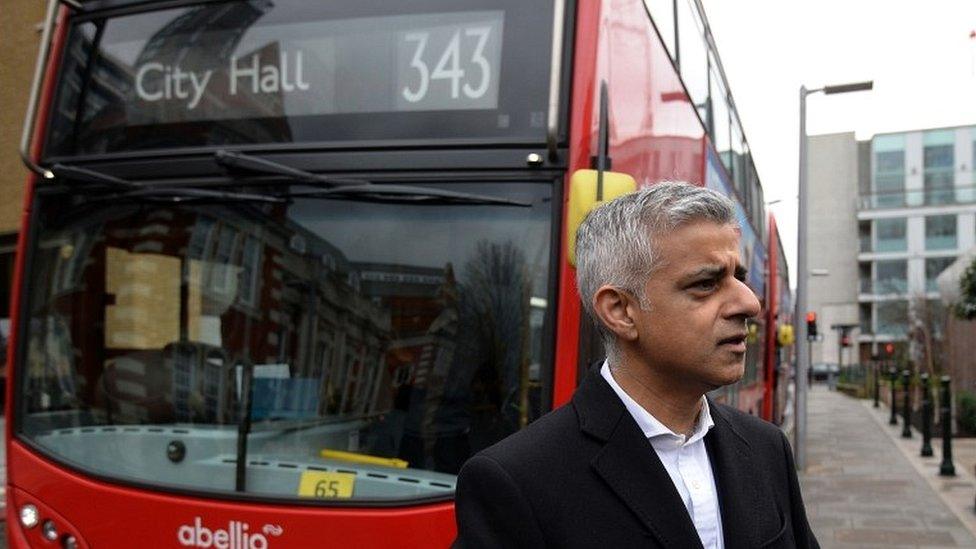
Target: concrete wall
{"x": 833, "y": 240}
{"x": 19, "y": 39}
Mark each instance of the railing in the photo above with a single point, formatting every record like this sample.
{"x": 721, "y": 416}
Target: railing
{"x": 917, "y": 197}
{"x": 892, "y": 329}
{"x": 891, "y": 245}
{"x": 854, "y": 373}
{"x": 887, "y": 286}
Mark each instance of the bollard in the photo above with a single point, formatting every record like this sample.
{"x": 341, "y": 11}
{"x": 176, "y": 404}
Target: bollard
{"x": 946, "y": 469}
{"x": 926, "y": 417}
{"x": 906, "y": 382}
{"x": 892, "y": 376}
{"x": 877, "y": 382}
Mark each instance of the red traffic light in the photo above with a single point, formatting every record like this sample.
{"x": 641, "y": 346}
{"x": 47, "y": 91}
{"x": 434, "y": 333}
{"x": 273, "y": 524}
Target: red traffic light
{"x": 890, "y": 348}
{"x": 845, "y": 341}
{"x": 811, "y": 316}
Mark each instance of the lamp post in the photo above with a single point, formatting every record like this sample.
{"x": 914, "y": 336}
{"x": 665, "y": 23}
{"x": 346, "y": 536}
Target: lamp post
{"x": 802, "y": 348}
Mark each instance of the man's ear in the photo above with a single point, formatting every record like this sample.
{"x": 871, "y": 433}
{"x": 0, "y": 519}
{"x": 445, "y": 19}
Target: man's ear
{"x": 612, "y": 307}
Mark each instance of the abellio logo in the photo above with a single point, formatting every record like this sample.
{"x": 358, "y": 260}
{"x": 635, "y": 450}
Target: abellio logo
{"x": 237, "y": 535}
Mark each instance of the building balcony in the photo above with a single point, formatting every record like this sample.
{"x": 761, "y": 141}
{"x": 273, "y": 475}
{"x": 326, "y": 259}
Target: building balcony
{"x": 890, "y": 286}
{"x": 917, "y": 197}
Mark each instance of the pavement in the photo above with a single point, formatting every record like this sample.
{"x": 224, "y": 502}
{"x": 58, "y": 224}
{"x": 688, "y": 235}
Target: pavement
{"x": 866, "y": 487}
{"x": 963, "y": 453}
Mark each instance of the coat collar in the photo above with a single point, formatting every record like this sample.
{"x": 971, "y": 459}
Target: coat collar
{"x": 631, "y": 468}
{"x": 629, "y": 465}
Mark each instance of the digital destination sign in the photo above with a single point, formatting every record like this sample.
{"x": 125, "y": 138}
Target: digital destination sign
{"x": 395, "y": 63}
{"x": 293, "y": 71}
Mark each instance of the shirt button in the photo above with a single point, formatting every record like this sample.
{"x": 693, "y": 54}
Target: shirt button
{"x": 695, "y": 484}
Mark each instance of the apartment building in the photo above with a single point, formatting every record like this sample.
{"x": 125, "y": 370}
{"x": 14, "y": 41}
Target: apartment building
{"x": 887, "y": 216}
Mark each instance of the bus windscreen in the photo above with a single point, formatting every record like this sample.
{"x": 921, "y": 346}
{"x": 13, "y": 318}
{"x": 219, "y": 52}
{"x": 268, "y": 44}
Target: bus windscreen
{"x": 303, "y": 72}
{"x": 327, "y": 350}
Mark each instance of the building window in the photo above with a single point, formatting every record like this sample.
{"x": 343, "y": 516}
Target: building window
{"x": 864, "y": 236}
{"x": 889, "y": 171}
{"x": 892, "y": 317}
{"x": 864, "y": 277}
{"x": 938, "y": 166}
{"x": 891, "y": 277}
{"x": 940, "y": 232}
{"x": 250, "y": 271}
{"x": 890, "y": 235}
{"x": 864, "y": 318}
{"x": 933, "y": 268}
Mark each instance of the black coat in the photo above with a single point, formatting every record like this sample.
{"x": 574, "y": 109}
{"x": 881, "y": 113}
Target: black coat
{"x": 585, "y": 476}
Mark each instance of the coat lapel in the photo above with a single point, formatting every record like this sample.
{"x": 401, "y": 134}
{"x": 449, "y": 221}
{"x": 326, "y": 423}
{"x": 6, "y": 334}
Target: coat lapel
{"x": 630, "y": 467}
{"x": 740, "y": 488}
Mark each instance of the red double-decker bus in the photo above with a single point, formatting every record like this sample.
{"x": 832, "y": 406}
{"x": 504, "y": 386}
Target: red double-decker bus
{"x": 286, "y": 265}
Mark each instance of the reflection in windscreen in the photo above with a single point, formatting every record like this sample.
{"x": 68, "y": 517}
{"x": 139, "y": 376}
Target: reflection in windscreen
{"x": 367, "y": 350}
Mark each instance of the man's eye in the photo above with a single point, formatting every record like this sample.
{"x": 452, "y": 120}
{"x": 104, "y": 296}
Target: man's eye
{"x": 704, "y": 285}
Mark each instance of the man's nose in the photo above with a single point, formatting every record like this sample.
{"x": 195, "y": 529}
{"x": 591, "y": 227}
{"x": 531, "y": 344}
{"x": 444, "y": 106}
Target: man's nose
{"x": 744, "y": 302}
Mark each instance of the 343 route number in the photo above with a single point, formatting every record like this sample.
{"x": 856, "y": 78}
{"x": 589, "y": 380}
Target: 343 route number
{"x": 472, "y": 81}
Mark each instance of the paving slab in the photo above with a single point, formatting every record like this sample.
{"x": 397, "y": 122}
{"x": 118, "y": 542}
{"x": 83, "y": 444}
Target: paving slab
{"x": 862, "y": 488}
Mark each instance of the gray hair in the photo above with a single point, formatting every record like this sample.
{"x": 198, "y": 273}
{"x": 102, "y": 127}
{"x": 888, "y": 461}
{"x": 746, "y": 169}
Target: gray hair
{"x": 615, "y": 244}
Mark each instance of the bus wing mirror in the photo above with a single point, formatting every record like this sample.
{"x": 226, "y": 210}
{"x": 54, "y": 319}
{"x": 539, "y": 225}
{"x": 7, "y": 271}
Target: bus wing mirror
{"x": 586, "y": 192}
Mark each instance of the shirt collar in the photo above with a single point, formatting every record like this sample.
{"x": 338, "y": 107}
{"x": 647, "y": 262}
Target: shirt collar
{"x": 649, "y": 425}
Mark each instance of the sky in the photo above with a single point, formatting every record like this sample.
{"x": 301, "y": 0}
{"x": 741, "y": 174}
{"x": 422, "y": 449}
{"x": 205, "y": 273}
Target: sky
{"x": 918, "y": 53}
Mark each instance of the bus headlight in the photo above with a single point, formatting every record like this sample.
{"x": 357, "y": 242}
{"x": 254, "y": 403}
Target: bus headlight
{"x": 29, "y": 516}
{"x": 49, "y": 530}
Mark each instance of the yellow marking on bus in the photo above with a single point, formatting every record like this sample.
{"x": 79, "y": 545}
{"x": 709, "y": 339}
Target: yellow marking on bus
{"x": 318, "y": 484}
{"x": 363, "y": 458}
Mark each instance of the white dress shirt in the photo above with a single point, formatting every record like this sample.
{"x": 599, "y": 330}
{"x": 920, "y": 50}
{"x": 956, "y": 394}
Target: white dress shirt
{"x": 686, "y": 462}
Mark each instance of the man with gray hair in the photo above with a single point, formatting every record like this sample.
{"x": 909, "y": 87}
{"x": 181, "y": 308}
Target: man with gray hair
{"x": 641, "y": 457}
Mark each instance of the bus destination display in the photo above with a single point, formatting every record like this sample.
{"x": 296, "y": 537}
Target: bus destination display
{"x": 381, "y": 64}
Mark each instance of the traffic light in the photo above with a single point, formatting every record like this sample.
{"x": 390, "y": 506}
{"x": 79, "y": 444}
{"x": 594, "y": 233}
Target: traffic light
{"x": 890, "y": 348}
{"x": 811, "y": 326}
{"x": 845, "y": 340}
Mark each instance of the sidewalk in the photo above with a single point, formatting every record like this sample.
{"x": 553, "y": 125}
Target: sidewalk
{"x": 861, "y": 487}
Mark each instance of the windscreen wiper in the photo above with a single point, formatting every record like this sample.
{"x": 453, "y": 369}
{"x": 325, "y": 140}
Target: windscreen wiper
{"x": 407, "y": 194}
{"x": 131, "y": 189}
{"x": 241, "y": 161}
{"x": 92, "y": 177}
{"x": 177, "y": 195}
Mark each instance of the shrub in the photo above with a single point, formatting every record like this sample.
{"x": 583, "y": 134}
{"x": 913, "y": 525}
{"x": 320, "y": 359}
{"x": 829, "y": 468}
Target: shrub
{"x": 966, "y": 411}
{"x": 966, "y": 307}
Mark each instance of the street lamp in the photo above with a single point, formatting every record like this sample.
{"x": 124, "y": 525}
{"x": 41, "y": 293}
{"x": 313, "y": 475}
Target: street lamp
{"x": 802, "y": 348}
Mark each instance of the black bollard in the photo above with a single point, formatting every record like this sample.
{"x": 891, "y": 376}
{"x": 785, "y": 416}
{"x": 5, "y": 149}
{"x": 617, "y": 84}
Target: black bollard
{"x": 906, "y": 382}
{"x": 877, "y": 382}
{"x": 892, "y": 376}
{"x": 926, "y": 417}
{"x": 946, "y": 469}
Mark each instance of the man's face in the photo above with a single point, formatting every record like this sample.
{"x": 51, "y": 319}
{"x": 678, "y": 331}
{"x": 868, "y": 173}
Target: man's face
{"x": 694, "y": 326}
